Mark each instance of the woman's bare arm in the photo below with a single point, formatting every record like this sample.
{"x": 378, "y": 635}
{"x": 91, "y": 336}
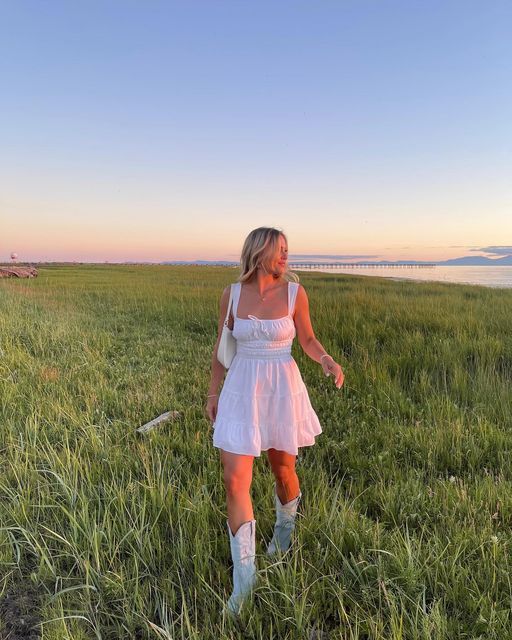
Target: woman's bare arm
{"x": 309, "y": 343}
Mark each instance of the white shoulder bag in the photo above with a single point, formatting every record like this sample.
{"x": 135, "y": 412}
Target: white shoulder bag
{"x": 227, "y": 344}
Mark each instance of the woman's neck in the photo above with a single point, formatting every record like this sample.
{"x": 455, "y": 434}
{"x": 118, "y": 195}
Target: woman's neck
{"x": 263, "y": 283}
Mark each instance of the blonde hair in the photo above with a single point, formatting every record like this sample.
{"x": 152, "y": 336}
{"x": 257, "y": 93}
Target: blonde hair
{"x": 260, "y": 246}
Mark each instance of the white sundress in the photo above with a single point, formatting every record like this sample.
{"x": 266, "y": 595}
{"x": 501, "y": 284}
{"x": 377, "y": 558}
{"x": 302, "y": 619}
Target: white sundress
{"x": 264, "y": 402}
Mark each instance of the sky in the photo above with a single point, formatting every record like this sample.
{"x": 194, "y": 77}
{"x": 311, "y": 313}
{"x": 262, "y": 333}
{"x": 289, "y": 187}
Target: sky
{"x": 151, "y": 131}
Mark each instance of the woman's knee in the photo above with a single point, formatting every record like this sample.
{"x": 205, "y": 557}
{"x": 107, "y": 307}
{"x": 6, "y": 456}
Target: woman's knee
{"x": 283, "y": 472}
{"x": 237, "y": 473}
{"x": 282, "y": 464}
{"x": 237, "y": 481}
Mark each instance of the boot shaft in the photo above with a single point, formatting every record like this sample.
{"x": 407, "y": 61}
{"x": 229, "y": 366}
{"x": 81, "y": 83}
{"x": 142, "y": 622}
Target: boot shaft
{"x": 243, "y": 554}
{"x": 286, "y": 513}
{"x": 243, "y": 543}
{"x": 285, "y": 524}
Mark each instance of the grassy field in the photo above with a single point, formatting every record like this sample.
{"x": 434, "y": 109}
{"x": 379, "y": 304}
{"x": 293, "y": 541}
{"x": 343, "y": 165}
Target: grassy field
{"x": 405, "y": 528}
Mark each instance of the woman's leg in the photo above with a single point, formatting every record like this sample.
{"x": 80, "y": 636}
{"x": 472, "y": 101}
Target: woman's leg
{"x": 237, "y": 481}
{"x": 288, "y": 496}
{"x": 242, "y": 526}
{"x": 283, "y": 468}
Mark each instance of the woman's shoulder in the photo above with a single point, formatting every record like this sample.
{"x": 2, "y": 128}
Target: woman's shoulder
{"x": 225, "y": 294}
{"x": 301, "y": 297}
{"x": 298, "y": 286}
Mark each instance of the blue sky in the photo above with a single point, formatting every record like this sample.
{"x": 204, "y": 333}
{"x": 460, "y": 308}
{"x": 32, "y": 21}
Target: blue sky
{"x": 169, "y": 130}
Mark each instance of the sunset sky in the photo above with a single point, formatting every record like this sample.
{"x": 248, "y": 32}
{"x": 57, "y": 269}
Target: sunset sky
{"x": 152, "y": 131}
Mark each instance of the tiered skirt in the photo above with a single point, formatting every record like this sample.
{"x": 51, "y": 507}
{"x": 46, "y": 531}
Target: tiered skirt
{"x": 264, "y": 404}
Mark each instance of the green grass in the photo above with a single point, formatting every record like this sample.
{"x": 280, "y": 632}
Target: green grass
{"x": 407, "y": 510}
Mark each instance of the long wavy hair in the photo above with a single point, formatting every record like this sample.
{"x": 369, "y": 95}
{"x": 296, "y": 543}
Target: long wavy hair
{"x": 260, "y": 247}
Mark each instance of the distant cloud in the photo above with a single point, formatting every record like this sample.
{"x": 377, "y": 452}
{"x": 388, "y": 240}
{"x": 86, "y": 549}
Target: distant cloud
{"x": 497, "y": 251}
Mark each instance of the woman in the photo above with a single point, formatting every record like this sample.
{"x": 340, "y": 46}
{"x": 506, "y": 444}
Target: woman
{"x": 264, "y": 404}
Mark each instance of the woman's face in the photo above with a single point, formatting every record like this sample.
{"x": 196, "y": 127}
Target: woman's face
{"x": 280, "y": 258}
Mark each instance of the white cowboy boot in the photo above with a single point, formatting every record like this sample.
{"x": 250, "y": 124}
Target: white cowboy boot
{"x": 243, "y": 554}
{"x": 285, "y": 523}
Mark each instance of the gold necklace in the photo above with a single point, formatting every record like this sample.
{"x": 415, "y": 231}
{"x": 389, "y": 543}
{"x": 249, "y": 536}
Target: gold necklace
{"x": 262, "y": 297}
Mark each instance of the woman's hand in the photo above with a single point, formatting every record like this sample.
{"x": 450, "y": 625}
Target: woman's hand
{"x": 331, "y": 367}
{"x": 211, "y": 408}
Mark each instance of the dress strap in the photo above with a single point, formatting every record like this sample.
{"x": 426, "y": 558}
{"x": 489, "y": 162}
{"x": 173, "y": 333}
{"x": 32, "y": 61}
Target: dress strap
{"x": 293, "y": 288}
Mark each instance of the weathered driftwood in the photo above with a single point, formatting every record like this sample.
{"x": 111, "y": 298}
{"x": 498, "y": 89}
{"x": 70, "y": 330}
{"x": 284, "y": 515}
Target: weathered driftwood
{"x": 168, "y": 415}
{"x": 18, "y": 272}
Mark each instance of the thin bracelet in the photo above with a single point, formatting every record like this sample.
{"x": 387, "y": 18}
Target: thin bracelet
{"x": 212, "y": 396}
{"x": 326, "y": 355}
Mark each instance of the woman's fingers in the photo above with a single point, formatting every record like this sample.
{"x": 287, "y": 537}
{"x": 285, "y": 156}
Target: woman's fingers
{"x": 211, "y": 411}
{"x": 338, "y": 375}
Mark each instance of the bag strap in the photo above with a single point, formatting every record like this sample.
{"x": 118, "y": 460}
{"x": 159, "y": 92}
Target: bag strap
{"x": 229, "y": 304}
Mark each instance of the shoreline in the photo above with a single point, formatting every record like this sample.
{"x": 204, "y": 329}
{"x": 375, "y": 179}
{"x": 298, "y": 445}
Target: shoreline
{"x": 397, "y": 278}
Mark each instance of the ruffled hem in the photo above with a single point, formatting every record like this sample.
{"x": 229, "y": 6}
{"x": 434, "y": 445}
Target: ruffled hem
{"x": 248, "y": 439}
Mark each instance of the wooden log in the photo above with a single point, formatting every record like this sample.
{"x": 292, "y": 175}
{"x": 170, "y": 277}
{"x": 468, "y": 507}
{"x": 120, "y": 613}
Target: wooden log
{"x": 18, "y": 272}
{"x": 168, "y": 415}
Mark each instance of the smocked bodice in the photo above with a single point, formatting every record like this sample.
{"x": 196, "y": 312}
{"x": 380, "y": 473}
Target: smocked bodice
{"x": 263, "y": 337}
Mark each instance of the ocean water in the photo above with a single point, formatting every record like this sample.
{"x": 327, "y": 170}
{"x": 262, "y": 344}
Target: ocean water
{"x": 499, "y": 277}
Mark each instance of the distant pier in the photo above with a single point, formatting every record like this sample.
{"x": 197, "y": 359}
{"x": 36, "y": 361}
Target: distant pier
{"x": 358, "y": 265}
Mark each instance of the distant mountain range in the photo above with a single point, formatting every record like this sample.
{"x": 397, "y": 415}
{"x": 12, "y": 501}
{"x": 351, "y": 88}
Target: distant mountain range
{"x": 479, "y": 261}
